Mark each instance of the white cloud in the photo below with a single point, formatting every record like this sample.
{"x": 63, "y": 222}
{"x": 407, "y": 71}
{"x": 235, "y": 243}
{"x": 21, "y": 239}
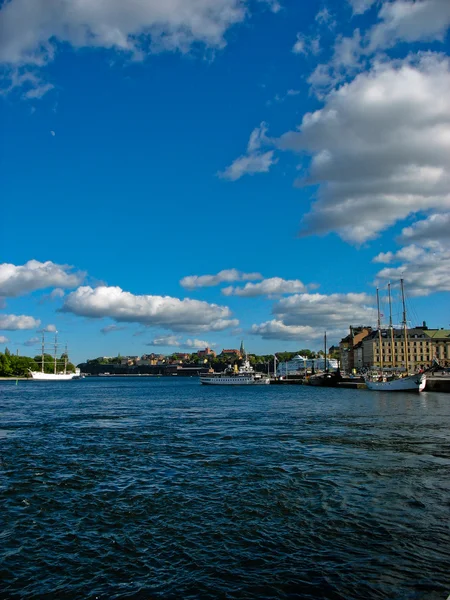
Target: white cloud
{"x": 32, "y": 31}
{"x": 111, "y": 328}
{"x": 324, "y": 17}
{"x": 30, "y": 28}
{"x": 164, "y": 311}
{"x": 380, "y": 148}
{"x": 425, "y": 271}
{"x": 361, "y": 6}
{"x": 277, "y": 330}
{"x": 56, "y": 293}
{"x": 331, "y": 312}
{"x": 384, "y": 257}
{"x": 404, "y": 21}
{"x": 32, "y": 341}
{"x": 409, "y": 21}
{"x": 254, "y": 161}
{"x": 306, "y": 45}
{"x": 16, "y": 322}
{"x": 259, "y": 162}
{"x": 50, "y": 328}
{"x": 197, "y": 344}
{"x": 29, "y": 82}
{"x": 35, "y": 275}
{"x": 165, "y": 340}
{"x": 226, "y": 276}
{"x": 175, "y": 341}
{"x": 268, "y": 287}
{"x": 3, "y": 339}
{"x": 436, "y": 228}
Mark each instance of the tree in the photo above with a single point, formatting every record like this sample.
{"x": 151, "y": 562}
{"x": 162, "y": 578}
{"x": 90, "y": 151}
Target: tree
{"x": 7, "y": 352}
{"x": 5, "y": 365}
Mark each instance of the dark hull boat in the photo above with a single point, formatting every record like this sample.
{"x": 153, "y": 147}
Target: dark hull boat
{"x": 325, "y": 379}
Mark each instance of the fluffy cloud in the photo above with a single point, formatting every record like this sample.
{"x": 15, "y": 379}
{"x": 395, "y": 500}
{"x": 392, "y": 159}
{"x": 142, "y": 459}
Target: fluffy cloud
{"x": 427, "y": 273}
{"x": 268, "y": 287}
{"x": 49, "y": 328}
{"x": 424, "y": 264}
{"x": 277, "y": 330}
{"x": 35, "y": 275}
{"x": 398, "y": 21}
{"x": 254, "y": 161}
{"x": 436, "y": 228}
{"x": 32, "y": 30}
{"x": 331, "y": 312}
{"x": 32, "y": 341}
{"x": 166, "y": 340}
{"x": 175, "y": 341}
{"x": 409, "y": 21}
{"x": 164, "y": 311}
{"x": 380, "y": 148}
{"x": 226, "y": 276}
{"x": 3, "y": 339}
{"x": 29, "y": 28}
{"x": 16, "y": 322}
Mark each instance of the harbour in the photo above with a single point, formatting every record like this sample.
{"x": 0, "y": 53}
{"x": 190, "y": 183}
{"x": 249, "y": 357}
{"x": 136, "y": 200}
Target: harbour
{"x": 163, "y": 488}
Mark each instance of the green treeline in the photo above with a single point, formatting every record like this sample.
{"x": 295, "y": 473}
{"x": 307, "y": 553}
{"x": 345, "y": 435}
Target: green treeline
{"x": 12, "y": 365}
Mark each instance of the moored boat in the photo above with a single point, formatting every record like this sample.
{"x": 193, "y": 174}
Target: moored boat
{"x": 245, "y": 375}
{"x": 409, "y": 383}
{"x": 57, "y": 375}
{"x": 395, "y": 381}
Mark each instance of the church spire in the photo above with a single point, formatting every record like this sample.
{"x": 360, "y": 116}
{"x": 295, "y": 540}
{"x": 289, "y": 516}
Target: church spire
{"x": 242, "y": 350}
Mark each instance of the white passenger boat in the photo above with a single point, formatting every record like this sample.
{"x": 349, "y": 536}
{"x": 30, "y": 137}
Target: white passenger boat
{"x": 245, "y": 375}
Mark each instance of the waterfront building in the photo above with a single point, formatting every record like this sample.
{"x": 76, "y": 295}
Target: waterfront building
{"x": 421, "y": 348}
{"x": 207, "y": 352}
{"x": 350, "y": 351}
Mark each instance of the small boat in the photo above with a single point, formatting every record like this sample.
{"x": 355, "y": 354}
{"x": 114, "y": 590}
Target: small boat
{"x": 245, "y": 375}
{"x": 324, "y": 379}
{"x": 327, "y": 378}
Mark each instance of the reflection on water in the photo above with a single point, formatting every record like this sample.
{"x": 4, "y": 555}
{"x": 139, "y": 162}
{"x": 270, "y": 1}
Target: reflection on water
{"x": 167, "y": 489}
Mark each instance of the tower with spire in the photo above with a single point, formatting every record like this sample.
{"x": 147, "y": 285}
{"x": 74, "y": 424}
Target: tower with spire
{"x": 242, "y": 349}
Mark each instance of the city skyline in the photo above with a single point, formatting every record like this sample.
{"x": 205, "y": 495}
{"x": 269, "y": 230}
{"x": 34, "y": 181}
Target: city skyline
{"x": 190, "y": 176}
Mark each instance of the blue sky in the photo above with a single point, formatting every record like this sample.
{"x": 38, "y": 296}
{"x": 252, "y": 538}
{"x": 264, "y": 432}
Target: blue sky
{"x": 296, "y": 152}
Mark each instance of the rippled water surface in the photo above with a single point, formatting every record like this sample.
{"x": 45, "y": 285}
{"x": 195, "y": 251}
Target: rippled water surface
{"x": 162, "y": 488}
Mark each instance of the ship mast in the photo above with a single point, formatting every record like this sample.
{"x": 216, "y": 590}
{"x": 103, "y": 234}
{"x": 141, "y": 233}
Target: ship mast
{"x": 43, "y": 348}
{"x": 391, "y": 327}
{"x": 56, "y": 349}
{"x": 405, "y": 328}
{"x": 65, "y": 361}
{"x": 325, "y": 344}
{"x": 379, "y": 330}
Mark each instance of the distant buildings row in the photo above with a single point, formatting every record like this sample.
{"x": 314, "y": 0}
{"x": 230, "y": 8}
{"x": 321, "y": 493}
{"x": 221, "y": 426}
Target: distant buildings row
{"x": 201, "y": 356}
{"x": 362, "y": 348}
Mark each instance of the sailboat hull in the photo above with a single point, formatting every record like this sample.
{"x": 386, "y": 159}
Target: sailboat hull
{"x": 38, "y": 375}
{"x": 412, "y": 383}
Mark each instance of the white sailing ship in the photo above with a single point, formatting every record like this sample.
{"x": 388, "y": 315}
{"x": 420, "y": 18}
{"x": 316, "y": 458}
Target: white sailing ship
{"x": 395, "y": 381}
{"x": 245, "y": 375}
{"x": 58, "y": 374}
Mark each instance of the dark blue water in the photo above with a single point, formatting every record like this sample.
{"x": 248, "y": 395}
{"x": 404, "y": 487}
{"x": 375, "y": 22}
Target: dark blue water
{"x": 161, "y": 488}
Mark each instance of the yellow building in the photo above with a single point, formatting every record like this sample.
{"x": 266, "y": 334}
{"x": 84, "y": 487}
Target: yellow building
{"x": 422, "y": 347}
